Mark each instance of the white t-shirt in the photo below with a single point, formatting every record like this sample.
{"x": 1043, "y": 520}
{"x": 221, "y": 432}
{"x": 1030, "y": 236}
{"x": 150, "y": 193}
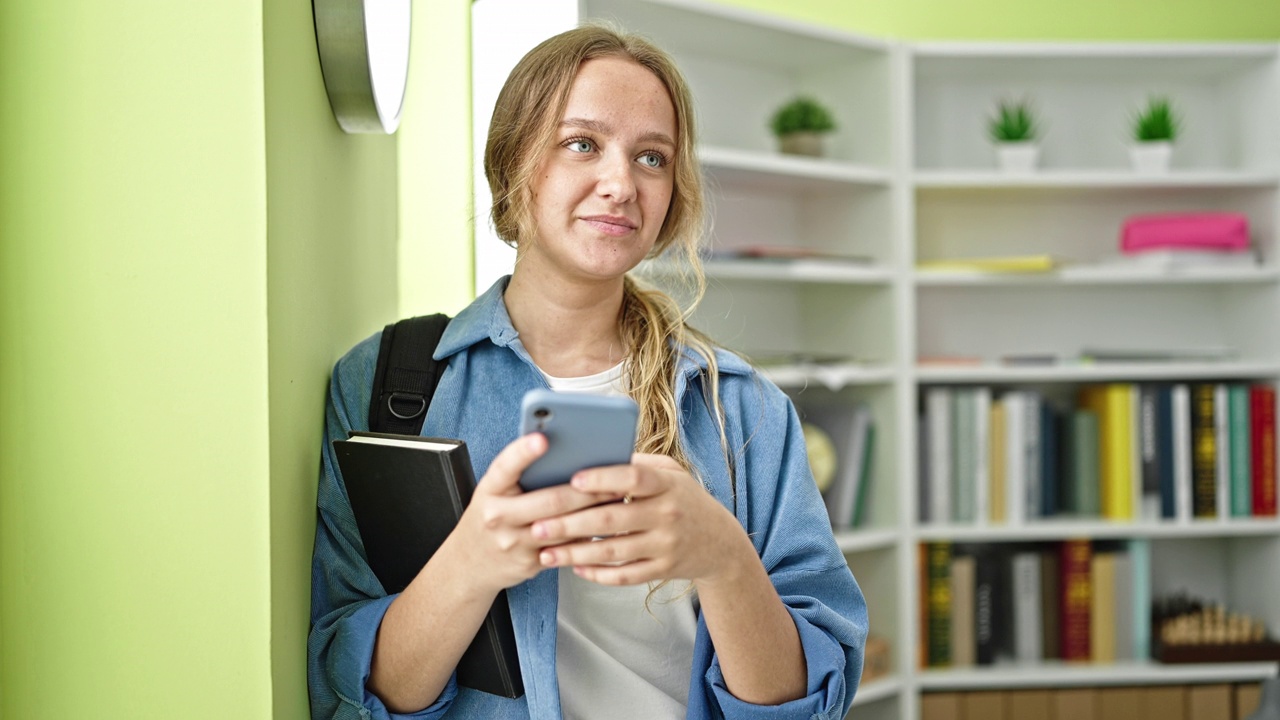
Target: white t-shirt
{"x": 614, "y": 657}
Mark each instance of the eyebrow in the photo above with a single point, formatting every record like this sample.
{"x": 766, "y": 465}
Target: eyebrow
{"x": 604, "y": 129}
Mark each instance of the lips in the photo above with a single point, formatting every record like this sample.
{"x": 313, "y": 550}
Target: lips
{"x": 610, "y": 224}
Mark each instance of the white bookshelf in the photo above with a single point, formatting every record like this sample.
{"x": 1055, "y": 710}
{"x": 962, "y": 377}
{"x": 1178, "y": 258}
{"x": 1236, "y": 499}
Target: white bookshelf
{"x": 910, "y": 178}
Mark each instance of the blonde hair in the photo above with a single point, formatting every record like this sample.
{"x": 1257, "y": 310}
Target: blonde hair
{"x": 653, "y": 326}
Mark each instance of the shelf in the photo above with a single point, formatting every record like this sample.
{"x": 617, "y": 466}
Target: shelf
{"x": 1056, "y": 674}
{"x": 831, "y": 376}
{"x": 1001, "y": 374}
{"x": 1091, "y": 180}
{"x": 787, "y": 173}
{"x": 851, "y": 541}
{"x": 804, "y": 271}
{"x": 1099, "y": 530}
{"x": 880, "y": 689}
{"x": 1089, "y": 275}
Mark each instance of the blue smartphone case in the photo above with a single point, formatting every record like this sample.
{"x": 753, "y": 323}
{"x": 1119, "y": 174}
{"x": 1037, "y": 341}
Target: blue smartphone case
{"x": 582, "y": 431}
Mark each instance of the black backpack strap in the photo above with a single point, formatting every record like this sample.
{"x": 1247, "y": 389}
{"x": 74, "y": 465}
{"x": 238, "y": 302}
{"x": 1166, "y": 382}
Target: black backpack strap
{"x": 406, "y": 375}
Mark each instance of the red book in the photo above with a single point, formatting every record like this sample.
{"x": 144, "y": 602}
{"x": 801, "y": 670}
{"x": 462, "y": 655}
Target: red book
{"x": 1077, "y": 599}
{"x": 1262, "y": 411}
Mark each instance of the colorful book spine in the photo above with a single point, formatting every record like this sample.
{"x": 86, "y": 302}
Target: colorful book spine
{"x": 1140, "y": 552}
{"x": 1164, "y": 447}
{"x": 939, "y": 559}
{"x": 1204, "y": 453}
{"x": 1051, "y": 604}
{"x": 1115, "y": 407}
{"x": 1241, "y": 463}
{"x": 1083, "y": 474}
{"x": 1075, "y": 564}
{"x": 1262, "y": 401}
{"x": 1050, "y": 460}
{"x": 997, "y": 456}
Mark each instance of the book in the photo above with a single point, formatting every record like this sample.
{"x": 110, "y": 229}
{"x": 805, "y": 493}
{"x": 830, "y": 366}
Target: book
{"x": 1114, "y": 407}
{"x": 922, "y": 468}
{"x": 1015, "y": 456}
{"x": 1102, "y": 609}
{"x": 1180, "y": 400}
{"x": 964, "y": 450}
{"x": 1164, "y": 449}
{"x": 991, "y": 631}
{"x": 1032, "y": 462}
{"x": 1148, "y": 444}
{"x": 938, "y": 412}
{"x": 1239, "y": 433}
{"x": 1222, "y": 441}
{"x": 1050, "y": 459}
{"x": 1083, "y": 464}
{"x": 939, "y": 593}
{"x": 1140, "y": 556}
{"x": 1004, "y": 264}
{"x": 982, "y": 455}
{"x": 963, "y": 645}
{"x": 407, "y": 494}
{"x": 996, "y": 456}
{"x": 1204, "y": 452}
{"x": 1075, "y": 564}
{"x": 1122, "y": 608}
{"x": 1262, "y": 404}
{"x": 1050, "y": 605}
{"x": 851, "y": 430}
{"x": 1027, "y": 621}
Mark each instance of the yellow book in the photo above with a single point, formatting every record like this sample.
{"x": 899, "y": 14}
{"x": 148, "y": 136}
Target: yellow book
{"x": 1113, "y": 404}
{"x": 995, "y": 461}
{"x": 1102, "y": 611}
{"x": 1006, "y": 264}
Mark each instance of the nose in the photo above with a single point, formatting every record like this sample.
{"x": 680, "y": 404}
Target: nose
{"x": 616, "y": 181}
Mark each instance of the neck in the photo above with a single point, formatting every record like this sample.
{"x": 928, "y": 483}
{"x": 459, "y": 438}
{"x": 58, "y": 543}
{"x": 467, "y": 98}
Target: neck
{"x": 569, "y": 329}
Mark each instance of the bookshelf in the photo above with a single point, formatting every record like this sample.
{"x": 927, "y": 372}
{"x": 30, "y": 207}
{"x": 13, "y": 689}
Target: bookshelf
{"x": 909, "y": 178}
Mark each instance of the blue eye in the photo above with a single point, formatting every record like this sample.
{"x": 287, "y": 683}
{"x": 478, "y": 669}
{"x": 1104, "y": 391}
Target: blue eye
{"x": 580, "y": 146}
{"x": 653, "y": 160}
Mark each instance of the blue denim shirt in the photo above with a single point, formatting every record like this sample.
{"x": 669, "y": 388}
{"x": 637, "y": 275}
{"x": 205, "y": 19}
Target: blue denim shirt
{"x": 478, "y": 400}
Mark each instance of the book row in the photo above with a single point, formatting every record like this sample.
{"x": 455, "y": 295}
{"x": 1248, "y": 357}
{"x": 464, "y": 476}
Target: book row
{"x": 1073, "y": 601}
{"x": 1119, "y": 451}
{"x": 841, "y": 445}
{"x": 1219, "y": 701}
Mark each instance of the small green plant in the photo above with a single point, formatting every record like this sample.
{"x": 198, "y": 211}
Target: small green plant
{"x": 1014, "y": 121}
{"x": 803, "y": 114}
{"x": 1157, "y": 122}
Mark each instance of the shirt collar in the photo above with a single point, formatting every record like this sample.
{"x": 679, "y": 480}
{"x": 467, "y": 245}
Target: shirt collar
{"x": 487, "y": 318}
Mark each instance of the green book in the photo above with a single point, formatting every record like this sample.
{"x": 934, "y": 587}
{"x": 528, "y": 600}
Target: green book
{"x": 1239, "y": 433}
{"x": 938, "y": 557}
{"x": 1084, "y": 459}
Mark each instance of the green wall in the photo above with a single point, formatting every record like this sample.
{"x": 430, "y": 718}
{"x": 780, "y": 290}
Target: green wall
{"x": 1038, "y": 19}
{"x": 134, "y": 563}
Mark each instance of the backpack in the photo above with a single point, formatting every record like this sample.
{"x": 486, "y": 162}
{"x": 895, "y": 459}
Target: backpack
{"x": 406, "y": 374}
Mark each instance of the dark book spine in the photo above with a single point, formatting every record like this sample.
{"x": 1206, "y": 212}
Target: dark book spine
{"x": 939, "y": 556}
{"x": 1075, "y": 564}
{"x": 1204, "y": 452}
{"x": 1148, "y": 452}
{"x": 1262, "y": 405}
{"x": 1050, "y": 460}
{"x": 1051, "y": 605}
{"x": 984, "y": 607}
{"x": 1164, "y": 452}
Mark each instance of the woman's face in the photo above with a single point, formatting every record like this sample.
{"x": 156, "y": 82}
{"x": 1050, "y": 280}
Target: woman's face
{"x": 602, "y": 192}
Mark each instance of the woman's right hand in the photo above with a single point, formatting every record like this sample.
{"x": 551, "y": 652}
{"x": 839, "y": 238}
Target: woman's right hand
{"x": 495, "y": 536}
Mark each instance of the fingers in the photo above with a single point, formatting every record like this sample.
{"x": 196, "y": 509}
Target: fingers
{"x": 503, "y": 476}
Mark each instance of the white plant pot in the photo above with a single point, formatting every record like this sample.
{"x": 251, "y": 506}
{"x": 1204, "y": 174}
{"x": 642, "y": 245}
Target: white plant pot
{"x": 806, "y": 143}
{"x": 1151, "y": 157}
{"x": 1018, "y": 157}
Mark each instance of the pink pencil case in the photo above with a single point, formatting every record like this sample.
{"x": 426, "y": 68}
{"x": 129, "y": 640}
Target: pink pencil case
{"x": 1220, "y": 232}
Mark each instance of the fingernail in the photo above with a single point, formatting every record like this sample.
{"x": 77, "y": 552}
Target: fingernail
{"x": 531, "y": 441}
{"x": 547, "y": 558}
{"x": 579, "y": 482}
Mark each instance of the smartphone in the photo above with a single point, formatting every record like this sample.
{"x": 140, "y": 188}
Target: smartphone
{"x": 583, "y": 431}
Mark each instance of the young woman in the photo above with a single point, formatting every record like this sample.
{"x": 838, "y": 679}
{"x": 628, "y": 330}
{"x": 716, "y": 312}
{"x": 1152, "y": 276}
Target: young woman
{"x": 718, "y": 589}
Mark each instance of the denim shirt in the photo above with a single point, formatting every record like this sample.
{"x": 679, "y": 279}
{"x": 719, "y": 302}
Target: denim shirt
{"x": 478, "y": 400}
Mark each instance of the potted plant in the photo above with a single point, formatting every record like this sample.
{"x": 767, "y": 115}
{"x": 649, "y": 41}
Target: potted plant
{"x": 1015, "y": 130}
{"x": 1155, "y": 127}
{"x": 800, "y": 125}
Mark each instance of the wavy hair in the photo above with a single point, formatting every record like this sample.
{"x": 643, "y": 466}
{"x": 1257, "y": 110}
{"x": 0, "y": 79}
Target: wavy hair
{"x": 653, "y": 326}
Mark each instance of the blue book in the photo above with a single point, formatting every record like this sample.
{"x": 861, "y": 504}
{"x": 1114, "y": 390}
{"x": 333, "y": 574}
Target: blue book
{"x": 1051, "y": 460}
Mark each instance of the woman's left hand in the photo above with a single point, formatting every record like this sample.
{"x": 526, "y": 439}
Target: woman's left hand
{"x": 667, "y": 527}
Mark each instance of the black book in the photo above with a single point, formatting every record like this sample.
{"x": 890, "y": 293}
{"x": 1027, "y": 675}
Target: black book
{"x": 407, "y": 494}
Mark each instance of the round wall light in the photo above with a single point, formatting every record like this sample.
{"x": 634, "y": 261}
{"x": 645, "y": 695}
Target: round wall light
{"x": 364, "y": 56}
